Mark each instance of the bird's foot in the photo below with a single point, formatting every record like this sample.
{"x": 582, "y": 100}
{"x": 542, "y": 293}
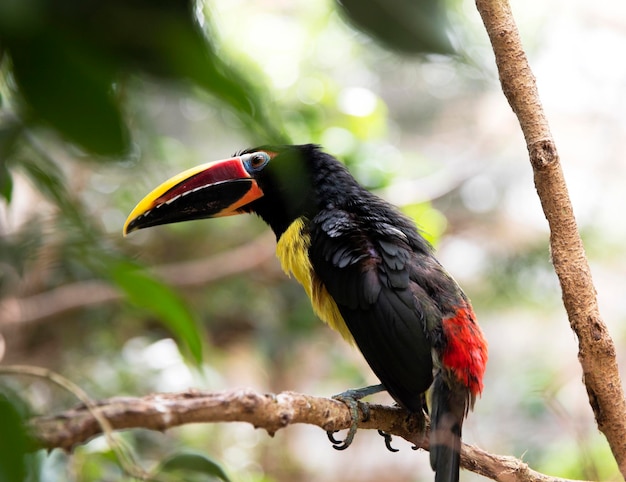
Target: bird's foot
{"x": 352, "y": 398}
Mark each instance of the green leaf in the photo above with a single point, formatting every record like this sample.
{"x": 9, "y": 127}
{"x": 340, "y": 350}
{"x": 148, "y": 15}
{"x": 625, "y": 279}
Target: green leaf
{"x": 194, "y": 462}
{"x": 66, "y": 85}
{"x": 409, "y": 26}
{"x": 6, "y": 182}
{"x": 9, "y": 135}
{"x": 159, "y": 299}
{"x": 13, "y": 441}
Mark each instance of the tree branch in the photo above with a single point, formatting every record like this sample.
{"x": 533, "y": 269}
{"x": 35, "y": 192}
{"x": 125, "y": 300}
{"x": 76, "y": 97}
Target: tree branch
{"x": 596, "y": 348}
{"x": 267, "y": 411}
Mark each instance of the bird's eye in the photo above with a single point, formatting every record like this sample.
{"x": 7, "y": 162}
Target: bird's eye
{"x": 256, "y": 161}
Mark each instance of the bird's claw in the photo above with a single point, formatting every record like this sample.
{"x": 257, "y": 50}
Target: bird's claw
{"x": 387, "y": 438}
{"x": 341, "y": 444}
{"x": 353, "y": 405}
{"x": 331, "y": 436}
{"x": 352, "y": 399}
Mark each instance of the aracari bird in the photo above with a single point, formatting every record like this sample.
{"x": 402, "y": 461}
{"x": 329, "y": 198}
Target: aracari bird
{"x": 367, "y": 270}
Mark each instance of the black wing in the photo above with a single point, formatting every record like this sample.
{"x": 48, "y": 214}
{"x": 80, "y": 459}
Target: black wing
{"x": 366, "y": 267}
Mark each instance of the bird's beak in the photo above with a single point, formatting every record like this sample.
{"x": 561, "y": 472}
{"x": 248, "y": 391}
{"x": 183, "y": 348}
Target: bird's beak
{"x": 219, "y": 188}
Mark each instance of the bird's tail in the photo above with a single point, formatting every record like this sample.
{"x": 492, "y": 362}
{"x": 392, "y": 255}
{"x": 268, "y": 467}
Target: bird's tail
{"x": 448, "y": 409}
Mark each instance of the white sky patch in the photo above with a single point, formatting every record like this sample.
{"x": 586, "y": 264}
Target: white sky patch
{"x": 282, "y": 72}
{"x": 357, "y": 101}
{"x": 276, "y": 43}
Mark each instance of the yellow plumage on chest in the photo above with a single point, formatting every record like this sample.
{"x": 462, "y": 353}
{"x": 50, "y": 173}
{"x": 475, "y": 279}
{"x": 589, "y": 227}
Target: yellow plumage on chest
{"x": 293, "y": 252}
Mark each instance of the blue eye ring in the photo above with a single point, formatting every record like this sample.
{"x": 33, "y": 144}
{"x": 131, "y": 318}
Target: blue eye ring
{"x": 255, "y": 161}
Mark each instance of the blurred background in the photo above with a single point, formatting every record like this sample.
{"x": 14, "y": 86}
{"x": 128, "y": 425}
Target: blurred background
{"x": 101, "y": 101}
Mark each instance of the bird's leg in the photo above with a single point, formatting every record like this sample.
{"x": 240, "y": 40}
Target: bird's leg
{"x": 352, "y": 398}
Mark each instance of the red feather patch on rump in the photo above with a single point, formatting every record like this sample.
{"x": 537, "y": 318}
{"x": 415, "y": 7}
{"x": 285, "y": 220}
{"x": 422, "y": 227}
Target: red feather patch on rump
{"x": 466, "y": 349}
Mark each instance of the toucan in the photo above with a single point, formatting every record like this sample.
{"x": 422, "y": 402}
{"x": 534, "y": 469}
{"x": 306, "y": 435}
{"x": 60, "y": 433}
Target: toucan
{"x": 367, "y": 270}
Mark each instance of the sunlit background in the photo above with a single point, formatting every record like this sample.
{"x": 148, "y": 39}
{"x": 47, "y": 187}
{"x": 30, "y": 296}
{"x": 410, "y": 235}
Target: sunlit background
{"x": 433, "y": 135}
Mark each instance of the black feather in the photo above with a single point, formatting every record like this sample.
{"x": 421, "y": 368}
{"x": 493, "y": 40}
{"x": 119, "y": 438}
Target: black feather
{"x": 368, "y": 278}
{"x": 448, "y": 408}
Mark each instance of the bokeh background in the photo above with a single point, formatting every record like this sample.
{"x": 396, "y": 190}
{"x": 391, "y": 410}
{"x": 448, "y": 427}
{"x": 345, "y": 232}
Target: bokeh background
{"x": 161, "y": 88}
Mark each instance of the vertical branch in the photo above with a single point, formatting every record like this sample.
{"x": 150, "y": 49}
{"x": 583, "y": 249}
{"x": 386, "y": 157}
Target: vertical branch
{"x": 596, "y": 349}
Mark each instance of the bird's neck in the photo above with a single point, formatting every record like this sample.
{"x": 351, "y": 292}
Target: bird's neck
{"x": 300, "y": 190}
{"x": 279, "y": 216}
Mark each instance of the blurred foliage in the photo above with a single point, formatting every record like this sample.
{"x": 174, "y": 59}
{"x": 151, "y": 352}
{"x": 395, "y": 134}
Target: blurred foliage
{"x": 527, "y": 277}
{"x": 148, "y": 293}
{"x": 13, "y": 439}
{"x": 102, "y": 99}
{"x": 409, "y": 26}
{"x": 84, "y": 49}
{"x": 192, "y": 467}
